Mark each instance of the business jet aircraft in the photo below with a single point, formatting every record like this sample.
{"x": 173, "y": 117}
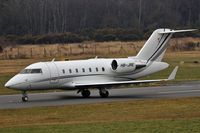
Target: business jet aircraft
{"x": 98, "y": 73}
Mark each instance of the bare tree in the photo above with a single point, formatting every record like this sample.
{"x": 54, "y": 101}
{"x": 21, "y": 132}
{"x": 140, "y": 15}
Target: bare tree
{"x": 35, "y": 17}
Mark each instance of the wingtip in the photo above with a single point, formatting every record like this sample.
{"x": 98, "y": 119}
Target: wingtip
{"x": 173, "y": 74}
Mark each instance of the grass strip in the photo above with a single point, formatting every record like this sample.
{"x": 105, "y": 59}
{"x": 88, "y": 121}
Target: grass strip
{"x": 184, "y": 108}
{"x": 141, "y": 126}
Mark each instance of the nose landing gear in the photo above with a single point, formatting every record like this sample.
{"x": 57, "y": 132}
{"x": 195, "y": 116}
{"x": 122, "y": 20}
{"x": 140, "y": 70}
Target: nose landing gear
{"x": 24, "y": 96}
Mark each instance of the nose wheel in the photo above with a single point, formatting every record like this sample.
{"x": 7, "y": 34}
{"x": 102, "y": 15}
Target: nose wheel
{"x": 24, "y": 96}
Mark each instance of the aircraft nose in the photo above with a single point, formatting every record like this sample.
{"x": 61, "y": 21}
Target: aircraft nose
{"x": 17, "y": 82}
{"x": 9, "y": 84}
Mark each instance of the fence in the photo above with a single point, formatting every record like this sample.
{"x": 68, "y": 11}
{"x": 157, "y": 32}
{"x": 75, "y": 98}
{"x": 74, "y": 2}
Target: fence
{"x": 66, "y": 50}
{"x": 95, "y": 49}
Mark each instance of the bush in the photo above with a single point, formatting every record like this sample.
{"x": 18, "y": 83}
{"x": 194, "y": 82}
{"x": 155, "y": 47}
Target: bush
{"x": 60, "y": 38}
{"x": 1, "y": 49}
{"x": 128, "y": 37}
{"x": 101, "y": 38}
{"x": 26, "y": 39}
{"x": 47, "y": 39}
{"x": 109, "y": 34}
{"x": 100, "y": 35}
{"x": 71, "y": 38}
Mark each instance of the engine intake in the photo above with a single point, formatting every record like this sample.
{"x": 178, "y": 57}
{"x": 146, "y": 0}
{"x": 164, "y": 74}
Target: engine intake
{"x": 123, "y": 65}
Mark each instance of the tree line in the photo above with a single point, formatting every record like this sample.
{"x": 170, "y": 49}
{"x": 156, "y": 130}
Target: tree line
{"x": 49, "y": 21}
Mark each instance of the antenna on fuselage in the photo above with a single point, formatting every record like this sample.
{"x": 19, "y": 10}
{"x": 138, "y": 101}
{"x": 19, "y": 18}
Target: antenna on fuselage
{"x": 53, "y": 60}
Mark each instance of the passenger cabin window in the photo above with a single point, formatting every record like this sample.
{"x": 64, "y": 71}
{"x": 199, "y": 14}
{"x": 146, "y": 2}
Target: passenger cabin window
{"x": 97, "y": 69}
{"x": 70, "y": 70}
{"x": 63, "y": 71}
{"x": 31, "y": 71}
{"x": 76, "y": 70}
{"x": 83, "y": 69}
{"x": 90, "y": 70}
{"x": 103, "y": 69}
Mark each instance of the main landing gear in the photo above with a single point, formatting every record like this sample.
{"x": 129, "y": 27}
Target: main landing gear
{"x": 86, "y": 93}
{"x": 103, "y": 92}
{"x": 24, "y": 96}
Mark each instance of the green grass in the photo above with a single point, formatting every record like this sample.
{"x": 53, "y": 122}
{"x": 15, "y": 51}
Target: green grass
{"x": 141, "y": 126}
{"x": 164, "y": 115}
{"x": 185, "y": 108}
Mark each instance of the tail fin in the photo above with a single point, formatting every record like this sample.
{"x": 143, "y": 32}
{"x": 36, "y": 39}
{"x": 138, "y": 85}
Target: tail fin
{"x": 155, "y": 47}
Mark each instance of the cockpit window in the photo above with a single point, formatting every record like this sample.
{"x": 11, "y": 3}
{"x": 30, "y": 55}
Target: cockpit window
{"x": 36, "y": 71}
{"x": 29, "y": 71}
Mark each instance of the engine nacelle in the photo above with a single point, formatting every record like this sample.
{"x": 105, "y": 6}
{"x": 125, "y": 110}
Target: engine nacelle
{"x": 123, "y": 65}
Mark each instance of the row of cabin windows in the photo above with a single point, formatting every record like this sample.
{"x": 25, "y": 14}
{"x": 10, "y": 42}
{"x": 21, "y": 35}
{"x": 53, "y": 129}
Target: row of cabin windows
{"x": 83, "y": 70}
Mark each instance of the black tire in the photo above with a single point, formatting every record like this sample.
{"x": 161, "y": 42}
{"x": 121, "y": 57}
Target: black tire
{"x": 24, "y": 98}
{"x": 85, "y": 93}
{"x": 104, "y": 94}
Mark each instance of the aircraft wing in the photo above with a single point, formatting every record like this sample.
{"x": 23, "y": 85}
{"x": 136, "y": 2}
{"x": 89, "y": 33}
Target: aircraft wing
{"x": 171, "y": 77}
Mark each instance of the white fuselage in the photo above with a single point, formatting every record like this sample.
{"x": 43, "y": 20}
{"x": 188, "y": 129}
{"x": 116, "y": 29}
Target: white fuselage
{"x": 63, "y": 74}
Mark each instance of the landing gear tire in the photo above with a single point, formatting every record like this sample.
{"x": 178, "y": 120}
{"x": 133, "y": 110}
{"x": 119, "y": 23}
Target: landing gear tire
{"x": 104, "y": 93}
{"x": 25, "y": 98}
{"x": 85, "y": 93}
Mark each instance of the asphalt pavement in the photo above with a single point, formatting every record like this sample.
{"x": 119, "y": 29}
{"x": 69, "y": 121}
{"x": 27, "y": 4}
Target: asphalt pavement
{"x": 190, "y": 89}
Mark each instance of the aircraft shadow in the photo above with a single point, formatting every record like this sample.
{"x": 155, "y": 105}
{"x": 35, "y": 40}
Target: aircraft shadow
{"x": 70, "y": 98}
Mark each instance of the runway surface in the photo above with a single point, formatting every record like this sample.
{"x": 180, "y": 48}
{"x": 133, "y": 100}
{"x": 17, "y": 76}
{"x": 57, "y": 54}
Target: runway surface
{"x": 191, "y": 89}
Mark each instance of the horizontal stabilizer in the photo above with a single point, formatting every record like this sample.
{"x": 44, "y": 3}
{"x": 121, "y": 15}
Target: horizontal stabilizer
{"x": 167, "y": 31}
{"x": 173, "y": 74}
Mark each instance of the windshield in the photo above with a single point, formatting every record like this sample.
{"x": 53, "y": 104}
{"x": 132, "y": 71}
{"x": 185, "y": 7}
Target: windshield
{"x": 29, "y": 71}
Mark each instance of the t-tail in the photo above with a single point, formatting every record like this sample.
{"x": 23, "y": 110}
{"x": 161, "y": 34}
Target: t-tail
{"x": 155, "y": 47}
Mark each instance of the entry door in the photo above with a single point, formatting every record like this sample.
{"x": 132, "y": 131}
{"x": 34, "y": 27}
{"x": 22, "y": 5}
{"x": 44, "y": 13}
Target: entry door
{"x": 53, "y": 72}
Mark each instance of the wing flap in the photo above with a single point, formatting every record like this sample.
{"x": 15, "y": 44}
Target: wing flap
{"x": 118, "y": 82}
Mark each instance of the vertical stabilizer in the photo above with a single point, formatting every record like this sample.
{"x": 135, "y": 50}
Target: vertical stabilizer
{"x": 155, "y": 47}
